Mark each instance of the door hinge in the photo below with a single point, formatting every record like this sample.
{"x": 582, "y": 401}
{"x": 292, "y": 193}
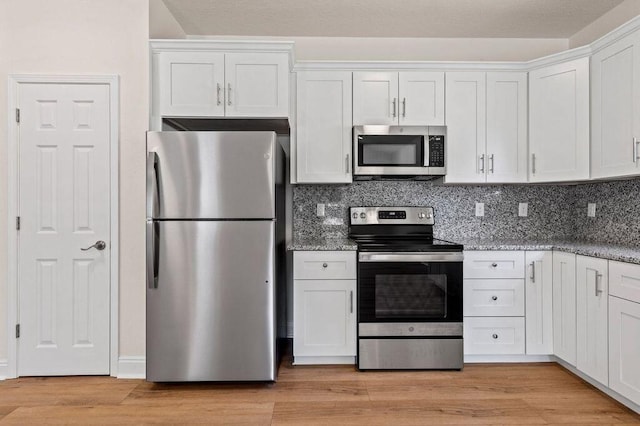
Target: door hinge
{"x": 17, "y": 223}
{"x": 17, "y": 331}
{"x": 17, "y": 115}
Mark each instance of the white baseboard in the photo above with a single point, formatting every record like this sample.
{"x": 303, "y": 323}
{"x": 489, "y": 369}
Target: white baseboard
{"x": 132, "y": 367}
{"x": 473, "y": 359}
{"x": 4, "y": 369}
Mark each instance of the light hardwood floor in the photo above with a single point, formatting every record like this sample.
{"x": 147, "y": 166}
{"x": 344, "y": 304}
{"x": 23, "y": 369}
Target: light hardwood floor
{"x": 332, "y": 395}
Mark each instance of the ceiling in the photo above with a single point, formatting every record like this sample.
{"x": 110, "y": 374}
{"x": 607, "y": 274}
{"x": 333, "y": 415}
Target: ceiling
{"x": 388, "y": 18}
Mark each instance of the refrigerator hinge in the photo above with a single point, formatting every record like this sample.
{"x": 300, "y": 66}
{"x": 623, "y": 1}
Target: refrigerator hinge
{"x": 17, "y": 115}
{"x": 17, "y": 331}
{"x": 17, "y": 223}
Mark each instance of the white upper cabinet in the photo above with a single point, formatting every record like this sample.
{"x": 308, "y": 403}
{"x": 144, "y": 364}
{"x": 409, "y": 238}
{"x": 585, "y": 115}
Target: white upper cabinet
{"x": 559, "y": 122}
{"x": 216, "y": 84}
{"x": 398, "y": 98}
{"x": 539, "y": 303}
{"x": 506, "y": 152}
{"x": 324, "y": 127}
{"x": 615, "y": 109}
{"x": 191, "y": 84}
{"x": 466, "y": 112}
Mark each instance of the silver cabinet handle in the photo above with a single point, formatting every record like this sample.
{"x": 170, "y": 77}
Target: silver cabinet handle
{"x": 394, "y": 108}
{"x": 598, "y": 284}
{"x": 404, "y": 107}
{"x": 491, "y": 159}
{"x": 533, "y": 272}
{"x": 494, "y": 297}
{"x": 218, "y": 93}
{"x": 153, "y": 237}
{"x": 482, "y": 163}
{"x": 348, "y": 164}
{"x": 533, "y": 164}
{"x": 98, "y": 245}
{"x": 229, "y": 94}
{"x": 351, "y": 301}
{"x": 636, "y": 141}
{"x": 153, "y": 185}
{"x": 495, "y": 336}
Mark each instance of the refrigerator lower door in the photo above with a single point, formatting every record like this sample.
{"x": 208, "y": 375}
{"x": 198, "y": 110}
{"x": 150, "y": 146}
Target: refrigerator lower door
{"x": 211, "y": 309}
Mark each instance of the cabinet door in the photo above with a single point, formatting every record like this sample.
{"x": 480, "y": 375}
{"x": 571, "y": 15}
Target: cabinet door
{"x": 324, "y": 318}
{"x": 257, "y": 84}
{"x": 564, "y": 306}
{"x": 539, "y": 302}
{"x": 615, "y": 109}
{"x": 624, "y": 348}
{"x": 506, "y": 127}
{"x": 421, "y": 97}
{"x": 592, "y": 317}
{"x": 559, "y": 122}
{"x": 324, "y": 127}
{"x": 191, "y": 84}
{"x": 375, "y": 98}
{"x": 466, "y": 120}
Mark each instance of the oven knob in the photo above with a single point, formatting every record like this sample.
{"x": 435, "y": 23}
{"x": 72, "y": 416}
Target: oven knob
{"x": 421, "y": 215}
{"x": 355, "y": 215}
{"x": 362, "y": 215}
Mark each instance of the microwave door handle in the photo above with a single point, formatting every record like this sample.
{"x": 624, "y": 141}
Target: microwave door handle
{"x": 426, "y": 152}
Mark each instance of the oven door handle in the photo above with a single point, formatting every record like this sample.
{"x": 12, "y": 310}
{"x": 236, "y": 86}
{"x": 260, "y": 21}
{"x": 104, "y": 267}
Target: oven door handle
{"x": 411, "y": 257}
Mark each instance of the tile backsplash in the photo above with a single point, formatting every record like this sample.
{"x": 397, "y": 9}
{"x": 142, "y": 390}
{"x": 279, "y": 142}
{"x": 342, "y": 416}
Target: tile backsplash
{"x": 554, "y": 211}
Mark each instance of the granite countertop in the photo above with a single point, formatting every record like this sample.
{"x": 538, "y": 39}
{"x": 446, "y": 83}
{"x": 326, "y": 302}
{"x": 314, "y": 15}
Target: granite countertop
{"x": 630, "y": 254}
{"x": 620, "y": 253}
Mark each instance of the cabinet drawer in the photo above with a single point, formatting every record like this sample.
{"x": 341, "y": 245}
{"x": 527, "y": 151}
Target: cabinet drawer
{"x": 493, "y": 298}
{"x": 494, "y": 264}
{"x": 624, "y": 280}
{"x": 312, "y": 265}
{"x": 493, "y": 336}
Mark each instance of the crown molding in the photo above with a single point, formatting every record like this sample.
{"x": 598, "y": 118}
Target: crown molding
{"x": 615, "y": 35}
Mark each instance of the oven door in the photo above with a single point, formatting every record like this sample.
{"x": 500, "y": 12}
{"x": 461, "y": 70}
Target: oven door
{"x": 410, "y": 287}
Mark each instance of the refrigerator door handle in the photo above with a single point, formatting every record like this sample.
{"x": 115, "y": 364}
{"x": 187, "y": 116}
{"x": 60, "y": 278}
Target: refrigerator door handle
{"x": 153, "y": 237}
{"x": 153, "y": 184}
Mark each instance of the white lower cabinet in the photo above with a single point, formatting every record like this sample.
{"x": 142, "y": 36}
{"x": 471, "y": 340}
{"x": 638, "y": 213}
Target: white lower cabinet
{"x": 539, "y": 302}
{"x": 592, "y": 317}
{"x": 324, "y": 307}
{"x": 494, "y": 335}
{"x": 624, "y": 348}
{"x": 564, "y": 306}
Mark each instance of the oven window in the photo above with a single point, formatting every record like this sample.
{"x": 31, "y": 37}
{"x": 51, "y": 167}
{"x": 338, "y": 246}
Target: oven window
{"x": 410, "y": 296}
{"x": 390, "y": 150}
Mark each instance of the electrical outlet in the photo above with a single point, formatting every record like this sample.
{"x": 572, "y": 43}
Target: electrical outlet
{"x": 591, "y": 210}
{"x": 523, "y": 209}
{"x": 320, "y": 209}
{"x": 479, "y": 209}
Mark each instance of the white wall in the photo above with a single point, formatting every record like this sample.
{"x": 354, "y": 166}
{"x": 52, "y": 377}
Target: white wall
{"x": 617, "y": 16}
{"x": 88, "y": 37}
{"x": 162, "y": 24}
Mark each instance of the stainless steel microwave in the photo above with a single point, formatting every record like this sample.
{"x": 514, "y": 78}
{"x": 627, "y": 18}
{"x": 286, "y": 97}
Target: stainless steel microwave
{"x": 398, "y": 151}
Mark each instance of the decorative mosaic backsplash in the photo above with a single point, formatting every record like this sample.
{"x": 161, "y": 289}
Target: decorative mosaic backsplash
{"x": 555, "y": 211}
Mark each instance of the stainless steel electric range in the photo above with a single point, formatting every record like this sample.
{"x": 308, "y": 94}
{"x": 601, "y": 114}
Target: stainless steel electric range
{"x": 409, "y": 290}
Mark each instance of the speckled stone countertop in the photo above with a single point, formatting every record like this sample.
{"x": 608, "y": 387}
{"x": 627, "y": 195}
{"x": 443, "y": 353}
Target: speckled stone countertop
{"x": 336, "y": 244}
{"x": 629, "y": 254}
{"x": 620, "y": 253}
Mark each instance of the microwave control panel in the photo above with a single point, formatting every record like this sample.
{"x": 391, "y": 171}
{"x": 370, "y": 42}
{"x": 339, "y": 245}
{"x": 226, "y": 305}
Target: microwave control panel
{"x": 436, "y": 151}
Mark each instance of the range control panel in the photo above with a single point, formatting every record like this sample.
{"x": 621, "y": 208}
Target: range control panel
{"x": 391, "y": 215}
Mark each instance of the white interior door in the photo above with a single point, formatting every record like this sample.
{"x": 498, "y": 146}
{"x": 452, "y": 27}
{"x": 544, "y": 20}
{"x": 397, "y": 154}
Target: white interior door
{"x": 64, "y": 177}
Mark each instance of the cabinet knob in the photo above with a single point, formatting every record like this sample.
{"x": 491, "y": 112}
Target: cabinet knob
{"x": 494, "y": 297}
{"x": 494, "y": 265}
{"x": 324, "y": 265}
{"x": 495, "y": 336}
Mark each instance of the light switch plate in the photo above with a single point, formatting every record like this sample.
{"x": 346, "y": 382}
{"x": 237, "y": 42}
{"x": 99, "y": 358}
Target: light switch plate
{"x": 479, "y": 209}
{"x": 591, "y": 209}
{"x": 523, "y": 209}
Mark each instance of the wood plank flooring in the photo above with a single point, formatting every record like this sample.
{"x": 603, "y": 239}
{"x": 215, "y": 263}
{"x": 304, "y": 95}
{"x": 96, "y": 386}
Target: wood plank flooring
{"x": 521, "y": 394}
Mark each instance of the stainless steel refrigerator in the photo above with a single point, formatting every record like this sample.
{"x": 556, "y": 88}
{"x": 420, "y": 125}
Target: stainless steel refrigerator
{"x": 215, "y": 251}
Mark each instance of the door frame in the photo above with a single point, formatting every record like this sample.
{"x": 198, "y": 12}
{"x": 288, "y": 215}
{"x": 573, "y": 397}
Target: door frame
{"x": 13, "y": 203}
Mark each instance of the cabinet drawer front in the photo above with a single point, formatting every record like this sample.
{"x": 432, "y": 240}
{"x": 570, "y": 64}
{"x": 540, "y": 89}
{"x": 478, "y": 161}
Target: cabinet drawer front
{"x": 310, "y": 265}
{"x": 493, "y": 298}
{"x": 494, "y": 264}
{"x": 624, "y": 280}
{"x": 493, "y": 336}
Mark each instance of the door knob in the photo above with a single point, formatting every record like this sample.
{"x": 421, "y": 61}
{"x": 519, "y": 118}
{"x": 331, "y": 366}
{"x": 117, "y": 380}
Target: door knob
{"x": 99, "y": 245}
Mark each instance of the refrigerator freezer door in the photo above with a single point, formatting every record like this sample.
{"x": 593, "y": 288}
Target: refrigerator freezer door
{"x": 211, "y": 315}
{"x": 211, "y": 175}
